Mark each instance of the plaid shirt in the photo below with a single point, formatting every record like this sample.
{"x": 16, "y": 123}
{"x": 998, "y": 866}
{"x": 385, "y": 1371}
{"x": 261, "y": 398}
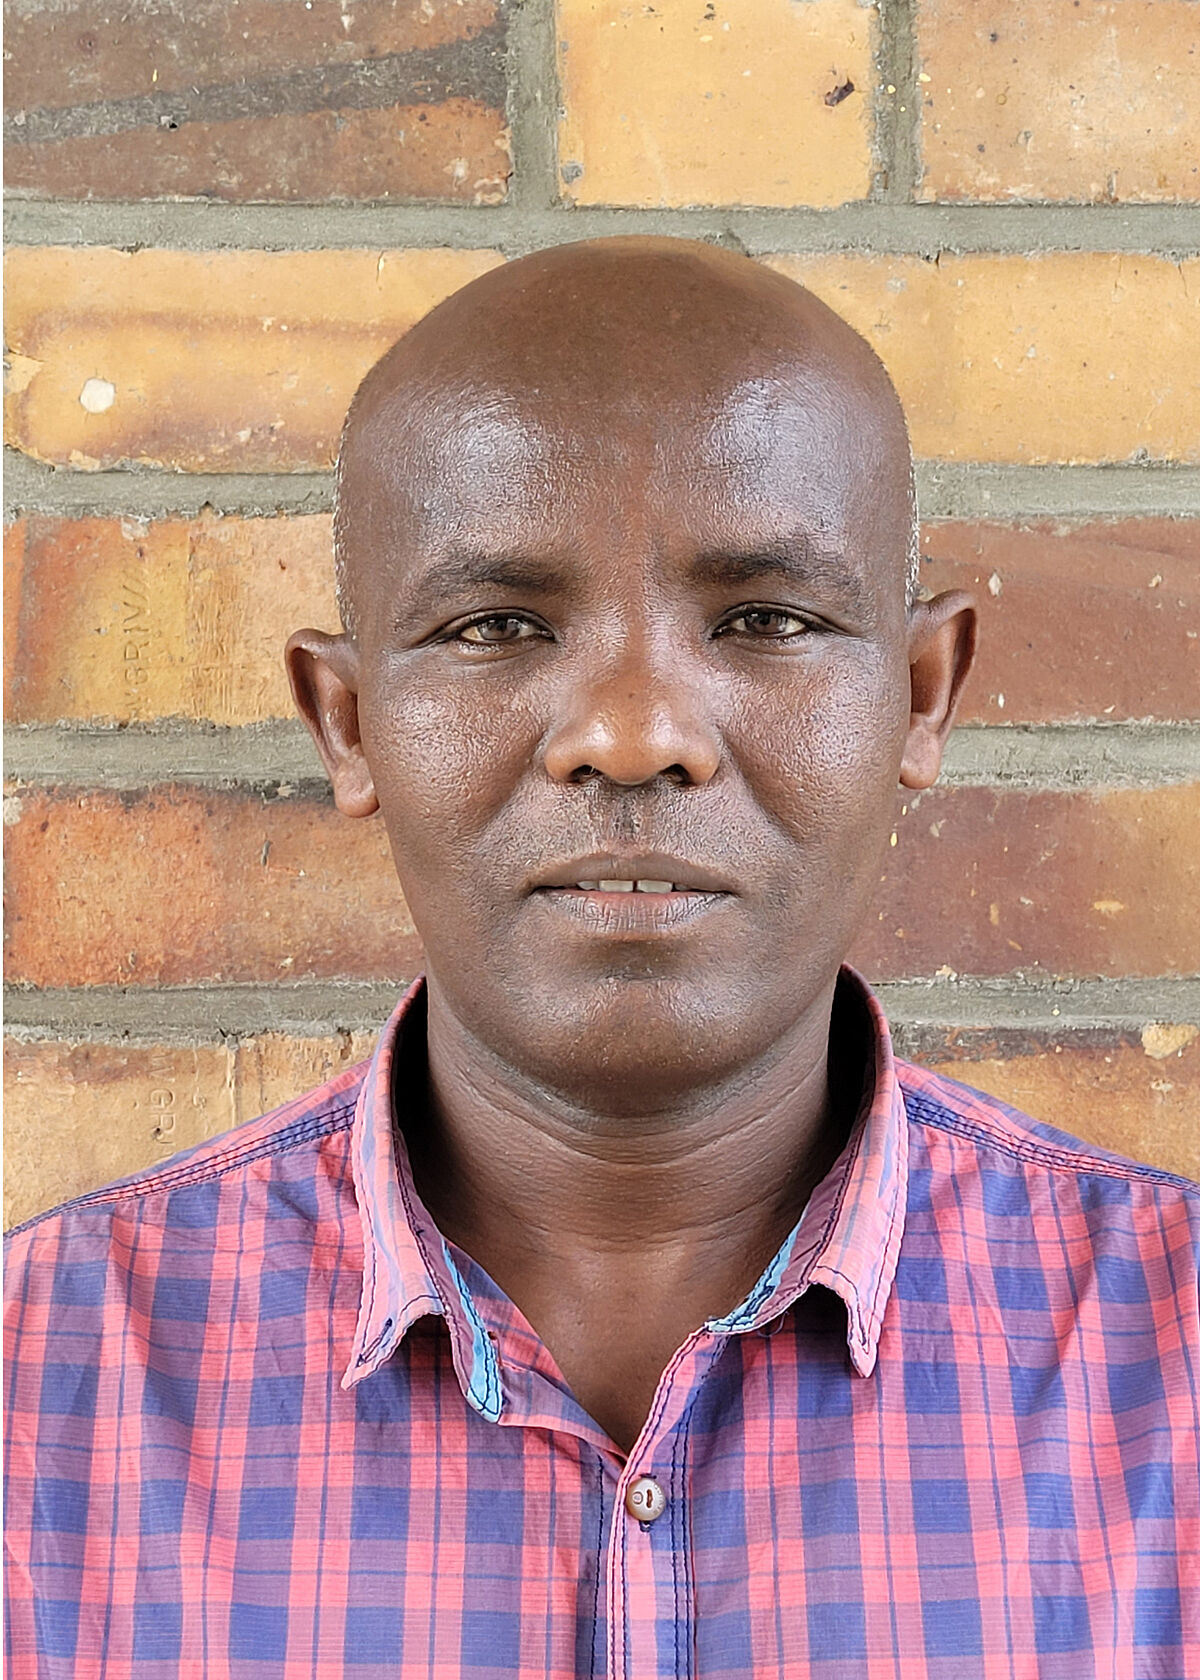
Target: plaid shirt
{"x": 264, "y": 1422}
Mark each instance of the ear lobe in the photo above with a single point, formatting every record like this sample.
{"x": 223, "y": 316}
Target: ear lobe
{"x": 323, "y": 672}
{"x": 941, "y": 647}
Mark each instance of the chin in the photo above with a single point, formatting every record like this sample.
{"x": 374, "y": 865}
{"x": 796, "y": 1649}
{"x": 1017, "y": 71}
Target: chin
{"x": 632, "y": 1042}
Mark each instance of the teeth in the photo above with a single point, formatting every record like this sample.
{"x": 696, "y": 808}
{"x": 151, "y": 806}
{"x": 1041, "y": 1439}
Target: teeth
{"x": 625, "y": 886}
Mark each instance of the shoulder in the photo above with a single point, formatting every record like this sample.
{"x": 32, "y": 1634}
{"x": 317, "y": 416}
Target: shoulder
{"x": 1000, "y": 1132}
{"x": 202, "y": 1188}
{"x": 1026, "y": 1197}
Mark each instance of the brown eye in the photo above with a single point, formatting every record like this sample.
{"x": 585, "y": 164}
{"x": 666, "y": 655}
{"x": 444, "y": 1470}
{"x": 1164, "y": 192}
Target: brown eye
{"x": 497, "y": 631}
{"x": 767, "y": 621}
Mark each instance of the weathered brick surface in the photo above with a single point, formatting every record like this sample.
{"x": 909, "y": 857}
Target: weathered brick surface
{"x": 695, "y": 104}
{"x": 131, "y": 620}
{"x": 1141, "y": 1099}
{"x": 1059, "y": 356}
{"x": 1099, "y": 620}
{"x": 176, "y": 885}
{"x": 173, "y": 885}
{"x": 988, "y": 882}
{"x": 205, "y": 361}
{"x": 125, "y": 620}
{"x": 273, "y": 1068}
{"x": 258, "y": 99}
{"x": 80, "y": 1115}
{"x": 246, "y": 360}
{"x": 1048, "y": 99}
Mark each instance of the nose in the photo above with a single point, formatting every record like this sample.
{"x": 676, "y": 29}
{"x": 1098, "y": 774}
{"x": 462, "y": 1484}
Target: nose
{"x": 633, "y": 721}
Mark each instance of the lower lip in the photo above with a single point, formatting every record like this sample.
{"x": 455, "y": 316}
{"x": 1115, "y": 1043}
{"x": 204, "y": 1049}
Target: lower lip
{"x": 631, "y": 913}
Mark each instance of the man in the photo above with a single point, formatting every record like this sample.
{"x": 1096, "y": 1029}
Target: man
{"x": 633, "y": 1312}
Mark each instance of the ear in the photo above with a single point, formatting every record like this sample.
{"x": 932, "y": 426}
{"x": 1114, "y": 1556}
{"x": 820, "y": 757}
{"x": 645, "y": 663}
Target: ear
{"x": 323, "y": 672}
{"x": 941, "y": 646}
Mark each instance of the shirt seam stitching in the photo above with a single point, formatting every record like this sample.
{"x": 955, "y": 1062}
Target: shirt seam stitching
{"x": 301, "y": 1132}
{"x": 1032, "y": 1149}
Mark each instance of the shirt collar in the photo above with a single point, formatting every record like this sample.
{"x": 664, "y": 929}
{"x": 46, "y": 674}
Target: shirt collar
{"x": 847, "y": 1239}
{"x": 408, "y": 1272}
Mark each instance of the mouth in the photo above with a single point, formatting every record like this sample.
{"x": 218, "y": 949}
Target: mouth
{"x": 632, "y": 894}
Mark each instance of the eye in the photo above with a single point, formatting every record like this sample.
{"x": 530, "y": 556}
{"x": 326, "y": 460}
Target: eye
{"x": 497, "y": 630}
{"x": 768, "y": 623}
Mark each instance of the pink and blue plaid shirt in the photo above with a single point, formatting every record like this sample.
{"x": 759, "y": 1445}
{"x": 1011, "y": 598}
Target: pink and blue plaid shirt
{"x": 263, "y": 1422}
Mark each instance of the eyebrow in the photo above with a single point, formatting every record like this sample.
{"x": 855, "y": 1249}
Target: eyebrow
{"x": 794, "y": 560}
{"x": 462, "y": 573}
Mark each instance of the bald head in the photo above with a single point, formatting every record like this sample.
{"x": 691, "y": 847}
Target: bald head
{"x": 612, "y": 350}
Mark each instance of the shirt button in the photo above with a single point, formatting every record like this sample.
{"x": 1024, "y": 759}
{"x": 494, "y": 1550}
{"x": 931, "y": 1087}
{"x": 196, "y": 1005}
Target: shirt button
{"x": 645, "y": 1500}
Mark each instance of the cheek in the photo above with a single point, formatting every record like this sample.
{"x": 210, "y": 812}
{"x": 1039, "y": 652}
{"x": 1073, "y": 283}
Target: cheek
{"x": 444, "y": 756}
{"x": 824, "y": 751}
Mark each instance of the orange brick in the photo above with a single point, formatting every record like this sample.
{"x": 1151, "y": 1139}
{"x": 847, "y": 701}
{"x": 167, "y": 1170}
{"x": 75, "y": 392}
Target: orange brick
{"x": 174, "y": 885}
{"x": 205, "y": 361}
{"x": 125, "y": 620}
{"x": 695, "y": 104}
{"x": 274, "y": 1068}
{"x": 1077, "y": 621}
{"x": 1047, "y": 99}
{"x": 1059, "y": 357}
{"x": 1120, "y": 1096}
{"x": 79, "y": 1115}
{"x": 177, "y": 886}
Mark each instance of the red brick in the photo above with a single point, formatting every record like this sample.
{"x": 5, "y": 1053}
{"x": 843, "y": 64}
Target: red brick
{"x": 988, "y": 882}
{"x": 1050, "y": 99}
{"x": 1093, "y": 621}
{"x": 1077, "y": 621}
{"x": 258, "y": 99}
{"x": 1099, "y": 620}
{"x": 1117, "y": 1094}
{"x": 79, "y": 1115}
{"x": 274, "y": 1067}
{"x": 126, "y": 620}
{"x": 176, "y": 885}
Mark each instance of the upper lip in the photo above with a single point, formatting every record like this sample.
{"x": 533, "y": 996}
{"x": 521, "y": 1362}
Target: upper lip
{"x": 639, "y": 866}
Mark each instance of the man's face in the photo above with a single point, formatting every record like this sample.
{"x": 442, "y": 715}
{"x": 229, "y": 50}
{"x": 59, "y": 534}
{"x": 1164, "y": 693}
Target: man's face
{"x": 659, "y": 642}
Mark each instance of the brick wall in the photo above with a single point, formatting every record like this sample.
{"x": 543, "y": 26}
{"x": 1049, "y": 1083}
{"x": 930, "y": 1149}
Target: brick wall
{"x": 220, "y": 214}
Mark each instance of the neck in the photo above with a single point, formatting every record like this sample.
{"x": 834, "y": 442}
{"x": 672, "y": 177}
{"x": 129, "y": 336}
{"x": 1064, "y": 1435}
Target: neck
{"x": 591, "y": 1221}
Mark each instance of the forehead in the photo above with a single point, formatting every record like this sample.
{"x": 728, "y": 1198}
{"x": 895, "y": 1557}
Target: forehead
{"x": 744, "y": 460}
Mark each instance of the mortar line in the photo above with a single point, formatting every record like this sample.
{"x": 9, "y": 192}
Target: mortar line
{"x": 1168, "y": 231}
{"x": 532, "y": 108}
{"x": 947, "y": 490}
{"x": 278, "y": 757}
{"x": 898, "y": 111}
{"x": 213, "y": 1013}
